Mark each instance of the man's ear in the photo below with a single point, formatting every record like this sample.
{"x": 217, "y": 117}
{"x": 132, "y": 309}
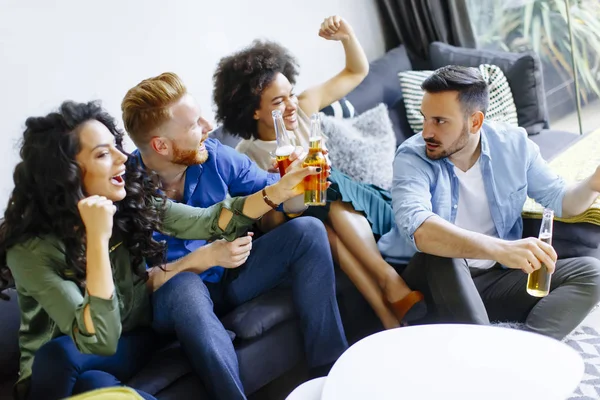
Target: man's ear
{"x": 256, "y": 115}
{"x": 160, "y": 145}
{"x": 476, "y": 121}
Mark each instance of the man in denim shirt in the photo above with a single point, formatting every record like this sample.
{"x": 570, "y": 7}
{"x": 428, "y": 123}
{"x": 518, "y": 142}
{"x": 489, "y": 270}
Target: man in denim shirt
{"x": 166, "y": 125}
{"x": 458, "y": 192}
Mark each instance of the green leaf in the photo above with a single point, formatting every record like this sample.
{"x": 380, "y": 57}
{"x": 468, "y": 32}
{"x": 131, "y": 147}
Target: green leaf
{"x": 547, "y": 24}
{"x": 536, "y": 36}
{"x": 527, "y": 17}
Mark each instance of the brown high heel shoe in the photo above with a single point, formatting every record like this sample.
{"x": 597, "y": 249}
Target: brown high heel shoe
{"x": 410, "y": 308}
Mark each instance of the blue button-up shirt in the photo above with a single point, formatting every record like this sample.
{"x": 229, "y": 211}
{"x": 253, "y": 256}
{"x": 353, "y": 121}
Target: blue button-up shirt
{"x": 225, "y": 172}
{"x": 512, "y": 168}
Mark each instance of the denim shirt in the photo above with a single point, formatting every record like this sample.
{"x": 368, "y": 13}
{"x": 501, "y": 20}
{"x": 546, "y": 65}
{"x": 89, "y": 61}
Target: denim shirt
{"x": 225, "y": 172}
{"x": 512, "y": 168}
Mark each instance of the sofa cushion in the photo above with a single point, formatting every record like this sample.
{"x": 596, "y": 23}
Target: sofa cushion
{"x": 363, "y": 147}
{"x": 553, "y": 142}
{"x": 9, "y": 335}
{"x": 169, "y": 374}
{"x": 399, "y": 120}
{"x": 523, "y": 72}
{"x": 339, "y": 109}
{"x": 225, "y": 137}
{"x": 501, "y": 104}
{"x": 255, "y": 317}
{"x": 166, "y": 366}
{"x": 189, "y": 387}
{"x": 266, "y": 358}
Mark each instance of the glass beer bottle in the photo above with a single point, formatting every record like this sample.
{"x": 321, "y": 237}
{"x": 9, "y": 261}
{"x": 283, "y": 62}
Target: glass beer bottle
{"x": 285, "y": 143}
{"x": 315, "y": 186}
{"x": 538, "y": 282}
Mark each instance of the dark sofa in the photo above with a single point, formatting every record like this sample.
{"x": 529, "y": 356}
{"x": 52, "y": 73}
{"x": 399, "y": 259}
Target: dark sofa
{"x": 268, "y": 340}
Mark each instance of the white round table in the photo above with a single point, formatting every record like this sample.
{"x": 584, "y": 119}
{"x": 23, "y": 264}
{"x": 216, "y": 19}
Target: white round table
{"x": 309, "y": 390}
{"x": 450, "y": 361}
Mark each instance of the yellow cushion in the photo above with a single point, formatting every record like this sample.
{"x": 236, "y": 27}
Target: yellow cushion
{"x": 112, "y": 393}
{"x": 575, "y": 164}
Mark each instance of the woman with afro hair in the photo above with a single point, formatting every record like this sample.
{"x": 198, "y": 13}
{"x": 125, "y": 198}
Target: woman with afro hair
{"x": 248, "y": 86}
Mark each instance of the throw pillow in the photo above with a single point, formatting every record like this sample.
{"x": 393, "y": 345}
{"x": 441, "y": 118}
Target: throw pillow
{"x": 501, "y": 107}
{"x": 339, "y": 109}
{"x": 363, "y": 147}
{"x": 523, "y": 72}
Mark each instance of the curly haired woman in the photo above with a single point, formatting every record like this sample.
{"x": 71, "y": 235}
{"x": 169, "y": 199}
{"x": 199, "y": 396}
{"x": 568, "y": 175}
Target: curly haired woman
{"x": 248, "y": 86}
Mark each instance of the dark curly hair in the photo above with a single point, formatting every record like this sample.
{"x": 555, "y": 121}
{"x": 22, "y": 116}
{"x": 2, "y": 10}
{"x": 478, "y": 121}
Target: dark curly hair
{"x": 48, "y": 186}
{"x": 240, "y": 80}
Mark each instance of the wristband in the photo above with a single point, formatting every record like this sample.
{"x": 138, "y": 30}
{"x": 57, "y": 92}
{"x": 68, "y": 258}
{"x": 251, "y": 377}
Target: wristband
{"x": 267, "y": 200}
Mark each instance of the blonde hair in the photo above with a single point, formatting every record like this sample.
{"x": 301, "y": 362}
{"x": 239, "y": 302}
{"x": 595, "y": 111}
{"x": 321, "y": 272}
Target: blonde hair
{"x": 145, "y": 107}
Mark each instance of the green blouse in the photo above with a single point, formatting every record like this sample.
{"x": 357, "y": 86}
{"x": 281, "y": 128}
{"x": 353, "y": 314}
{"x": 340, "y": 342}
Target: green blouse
{"x": 52, "y": 306}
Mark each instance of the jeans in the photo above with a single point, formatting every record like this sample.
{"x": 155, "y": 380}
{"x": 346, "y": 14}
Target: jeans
{"x": 60, "y": 370}
{"x": 468, "y": 295}
{"x": 297, "y": 255}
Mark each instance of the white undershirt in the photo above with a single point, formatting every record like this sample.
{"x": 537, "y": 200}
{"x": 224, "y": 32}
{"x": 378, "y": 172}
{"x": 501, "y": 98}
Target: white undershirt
{"x": 473, "y": 211}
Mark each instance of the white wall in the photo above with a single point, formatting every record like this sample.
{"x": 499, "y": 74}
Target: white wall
{"x": 53, "y": 50}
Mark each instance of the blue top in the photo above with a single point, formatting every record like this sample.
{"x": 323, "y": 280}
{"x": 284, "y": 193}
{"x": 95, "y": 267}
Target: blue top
{"x": 512, "y": 169}
{"x": 225, "y": 172}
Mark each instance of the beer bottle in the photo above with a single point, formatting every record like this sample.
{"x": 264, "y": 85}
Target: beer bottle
{"x": 538, "y": 282}
{"x": 315, "y": 186}
{"x": 285, "y": 142}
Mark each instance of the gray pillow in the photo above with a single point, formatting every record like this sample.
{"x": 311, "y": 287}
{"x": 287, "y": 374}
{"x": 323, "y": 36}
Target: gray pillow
{"x": 363, "y": 147}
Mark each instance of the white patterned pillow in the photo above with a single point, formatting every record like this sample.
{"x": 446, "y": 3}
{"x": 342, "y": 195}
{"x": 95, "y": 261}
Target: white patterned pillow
{"x": 339, "y": 109}
{"x": 501, "y": 108}
{"x": 363, "y": 147}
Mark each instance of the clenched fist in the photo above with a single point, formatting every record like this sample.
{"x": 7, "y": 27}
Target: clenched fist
{"x": 231, "y": 254}
{"x": 335, "y": 28}
{"x": 97, "y": 215}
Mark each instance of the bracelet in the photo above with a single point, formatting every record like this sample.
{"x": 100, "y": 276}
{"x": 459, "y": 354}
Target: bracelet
{"x": 268, "y": 200}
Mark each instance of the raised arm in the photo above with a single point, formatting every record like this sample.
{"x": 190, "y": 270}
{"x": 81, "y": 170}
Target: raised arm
{"x": 357, "y": 66}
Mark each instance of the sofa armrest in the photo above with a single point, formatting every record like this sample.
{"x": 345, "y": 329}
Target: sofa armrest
{"x": 568, "y": 239}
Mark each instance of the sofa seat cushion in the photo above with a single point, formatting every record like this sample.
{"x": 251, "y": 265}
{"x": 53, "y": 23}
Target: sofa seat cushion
{"x": 553, "y": 142}
{"x": 169, "y": 375}
{"x": 166, "y": 366}
{"x": 255, "y": 317}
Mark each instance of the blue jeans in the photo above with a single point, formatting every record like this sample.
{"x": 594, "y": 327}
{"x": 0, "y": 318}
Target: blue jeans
{"x": 60, "y": 370}
{"x": 296, "y": 254}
